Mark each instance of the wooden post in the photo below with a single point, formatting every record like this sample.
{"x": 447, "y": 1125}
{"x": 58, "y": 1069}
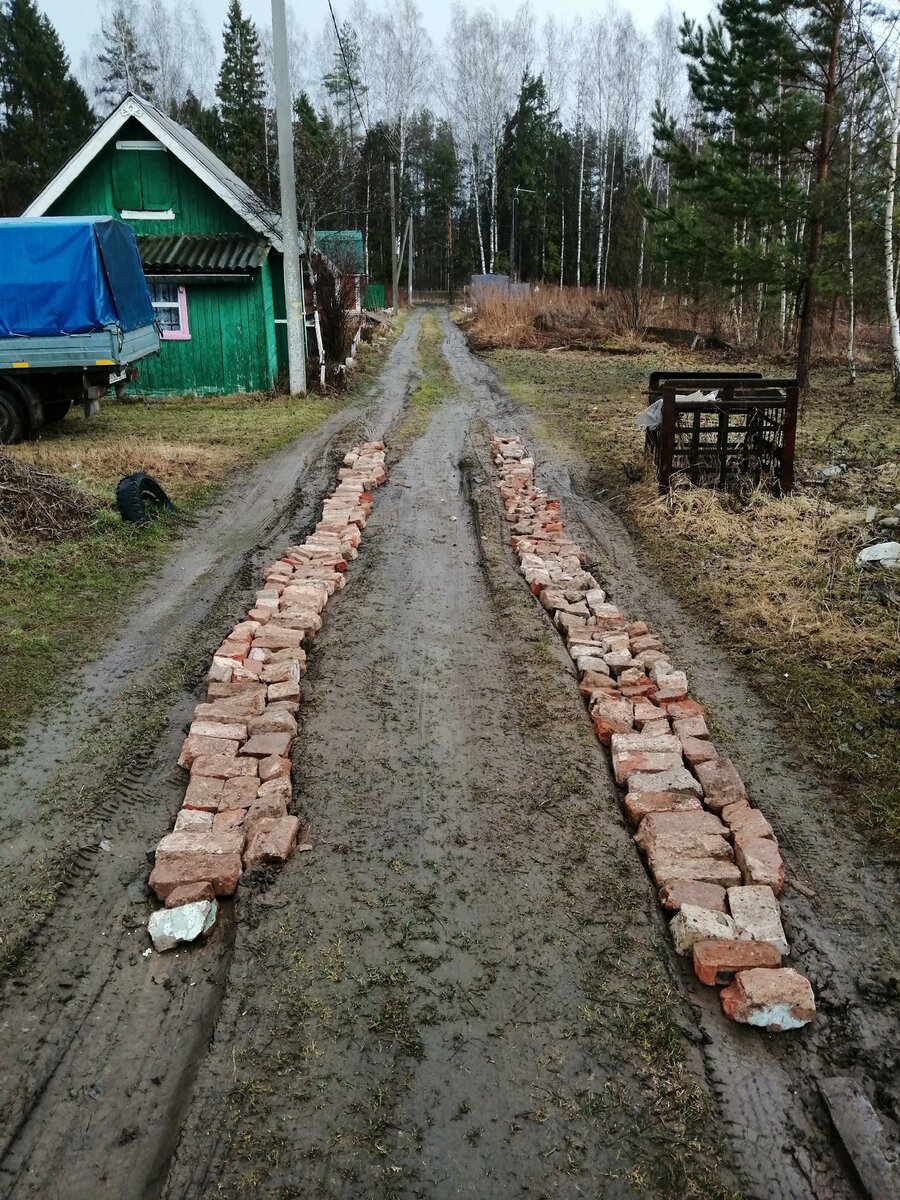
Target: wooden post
{"x": 789, "y": 438}
{"x": 666, "y": 438}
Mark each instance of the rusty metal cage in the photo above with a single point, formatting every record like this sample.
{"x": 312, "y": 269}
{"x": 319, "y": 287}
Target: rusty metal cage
{"x": 746, "y": 434}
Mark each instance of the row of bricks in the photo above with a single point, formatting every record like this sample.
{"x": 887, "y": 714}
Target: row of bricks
{"x": 713, "y": 857}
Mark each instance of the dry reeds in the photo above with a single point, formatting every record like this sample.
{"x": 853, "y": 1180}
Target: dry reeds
{"x": 38, "y": 507}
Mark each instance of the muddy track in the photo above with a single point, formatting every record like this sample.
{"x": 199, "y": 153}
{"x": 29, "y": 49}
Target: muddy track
{"x": 466, "y": 989}
{"x": 841, "y": 915}
{"x": 99, "y": 1046}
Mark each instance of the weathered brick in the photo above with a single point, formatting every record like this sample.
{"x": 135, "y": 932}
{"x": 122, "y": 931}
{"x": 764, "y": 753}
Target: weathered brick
{"x": 645, "y": 711}
{"x": 187, "y": 857}
{"x": 698, "y": 821}
{"x": 760, "y": 862}
{"x": 697, "y": 750}
{"x": 194, "y": 746}
{"x": 273, "y": 721}
{"x": 690, "y": 891}
{"x": 701, "y": 870}
{"x": 717, "y": 960}
{"x": 746, "y": 821}
{"x": 283, "y": 691}
{"x": 263, "y": 745}
{"x": 678, "y": 844}
{"x": 721, "y": 783}
{"x": 235, "y": 707}
{"x": 665, "y": 743}
{"x": 203, "y": 794}
{"x": 694, "y": 924}
{"x": 611, "y": 716}
{"x": 280, "y": 786}
{"x": 193, "y": 818}
{"x": 230, "y": 818}
{"x": 273, "y": 840}
{"x": 757, "y": 915}
{"x": 190, "y": 893}
{"x": 694, "y": 727}
{"x": 238, "y": 793}
{"x": 775, "y": 999}
{"x": 227, "y": 731}
{"x": 270, "y": 638}
{"x": 656, "y": 728}
{"x": 594, "y": 683}
{"x": 273, "y": 767}
{"x": 627, "y": 763}
{"x": 685, "y": 708}
{"x": 639, "y": 806}
{"x": 220, "y": 766}
{"x": 678, "y": 779}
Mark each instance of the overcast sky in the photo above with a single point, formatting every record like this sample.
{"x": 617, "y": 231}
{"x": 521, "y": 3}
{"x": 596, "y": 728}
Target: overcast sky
{"x": 76, "y": 23}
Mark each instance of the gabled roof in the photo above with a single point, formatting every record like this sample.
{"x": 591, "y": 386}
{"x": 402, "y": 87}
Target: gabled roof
{"x": 188, "y": 149}
{"x": 344, "y": 247}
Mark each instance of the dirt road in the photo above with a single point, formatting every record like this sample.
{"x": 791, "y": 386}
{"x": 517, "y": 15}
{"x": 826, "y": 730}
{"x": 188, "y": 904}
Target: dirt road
{"x": 466, "y": 989}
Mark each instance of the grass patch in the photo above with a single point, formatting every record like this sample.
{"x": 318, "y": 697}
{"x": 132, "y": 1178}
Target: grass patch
{"x": 59, "y": 602}
{"x": 435, "y": 384}
{"x": 778, "y": 577}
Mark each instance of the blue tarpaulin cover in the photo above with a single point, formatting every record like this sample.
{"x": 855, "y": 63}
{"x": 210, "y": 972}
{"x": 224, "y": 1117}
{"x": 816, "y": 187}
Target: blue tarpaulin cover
{"x": 62, "y": 275}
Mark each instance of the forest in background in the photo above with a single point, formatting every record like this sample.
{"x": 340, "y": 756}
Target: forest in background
{"x": 740, "y": 173}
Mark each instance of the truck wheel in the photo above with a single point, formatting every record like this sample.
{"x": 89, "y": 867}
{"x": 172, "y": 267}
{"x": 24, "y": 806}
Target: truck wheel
{"x": 139, "y": 497}
{"x": 13, "y": 422}
{"x": 55, "y": 411}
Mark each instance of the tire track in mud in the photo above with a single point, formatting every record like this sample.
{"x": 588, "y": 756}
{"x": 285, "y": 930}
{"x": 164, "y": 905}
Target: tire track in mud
{"x": 767, "y": 1089}
{"x": 99, "y": 1046}
{"x": 455, "y": 992}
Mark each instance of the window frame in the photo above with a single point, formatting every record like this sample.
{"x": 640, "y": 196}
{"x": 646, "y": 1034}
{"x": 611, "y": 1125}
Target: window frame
{"x": 183, "y": 333}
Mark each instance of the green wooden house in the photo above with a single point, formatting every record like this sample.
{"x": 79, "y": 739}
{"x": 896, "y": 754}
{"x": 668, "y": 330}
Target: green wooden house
{"x": 212, "y": 252}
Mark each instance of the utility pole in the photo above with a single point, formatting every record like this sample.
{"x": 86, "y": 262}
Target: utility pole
{"x": 293, "y": 281}
{"x": 395, "y": 270}
{"x": 409, "y": 284}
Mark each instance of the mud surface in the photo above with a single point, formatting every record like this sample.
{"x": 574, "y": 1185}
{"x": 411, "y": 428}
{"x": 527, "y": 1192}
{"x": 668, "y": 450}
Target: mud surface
{"x": 466, "y": 988}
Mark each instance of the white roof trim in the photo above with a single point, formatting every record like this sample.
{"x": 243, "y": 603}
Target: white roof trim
{"x": 152, "y": 120}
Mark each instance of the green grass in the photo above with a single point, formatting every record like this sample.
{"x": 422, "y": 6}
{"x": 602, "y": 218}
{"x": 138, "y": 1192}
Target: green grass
{"x": 434, "y": 386}
{"x": 60, "y": 602}
{"x": 777, "y": 578}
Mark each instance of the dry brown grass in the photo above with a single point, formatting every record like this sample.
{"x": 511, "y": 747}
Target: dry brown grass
{"x": 40, "y": 507}
{"x": 549, "y": 318}
{"x": 177, "y": 464}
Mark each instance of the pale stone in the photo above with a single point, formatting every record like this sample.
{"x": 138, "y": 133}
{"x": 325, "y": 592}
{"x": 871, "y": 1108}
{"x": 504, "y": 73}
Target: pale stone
{"x": 169, "y": 927}
{"x": 757, "y": 916}
{"x": 694, "y": 924}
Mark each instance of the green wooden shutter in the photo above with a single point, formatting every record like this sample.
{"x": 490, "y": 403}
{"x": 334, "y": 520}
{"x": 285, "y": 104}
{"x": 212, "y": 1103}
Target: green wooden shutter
{"x": 156, "y": 180}
{"x": 126, "y": 172}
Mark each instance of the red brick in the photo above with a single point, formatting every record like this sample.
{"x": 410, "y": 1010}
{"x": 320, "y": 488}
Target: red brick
{"x": 611, "y": 716}
{"x": 238, "y": 793}
{"x": 721, "y": 783}
{"x": 269, "y": 638}
{"x": 690, "y": 891}
{"x": 637, "y": 629}
{"x": 696, "y": 750}
{"x": 700, "y": 870}
{"x": 274, "y": 720}
{"x": 239, "y": 707}
{"x": 679, "y": 822}
{"x": 760, "y": 862}
{"x": 641, "y": 805}
{"x": 227, "y": 731}
{"x": 273, "y": 767}
{"x": 685, "y": 708}
{"x": 282, "y": 672}
{"x": 694, "y": 727}
{"x": 190, "y": 893}
{"x": 677, "y": 779}
{"x": 593, "y": 683}
{"x": 281, "y": 786}
{"x": 746, "y": 821}
{"x": 716, "y": 961}
{"x": 223, "y": 691}
{"x": 283, "y": 691}
{"x": 232, "y": 818}
{"x": 219, "y": 766}
{"x": 773, "y": 999}
{"x": 657, "y": 728}
{"x": 638, "y": 691}
{"x": 194, "y": 745}
{"x": 203, "y": 794}
{"x": 236, "y": 650}
{"x": 273, "y": 840}
{"x": 264, "y": 745}
{"x": 627, "y": 763}
{"x": 183, "y": 858}
{"x": 644, "y": 711}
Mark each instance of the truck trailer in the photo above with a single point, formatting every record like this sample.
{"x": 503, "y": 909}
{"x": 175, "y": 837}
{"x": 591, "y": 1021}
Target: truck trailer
{"x": 75, "y": 317}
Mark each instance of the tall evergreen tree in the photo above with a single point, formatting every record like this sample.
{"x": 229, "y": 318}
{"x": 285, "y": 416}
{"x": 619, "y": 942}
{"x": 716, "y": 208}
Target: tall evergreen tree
{"x": 241, "y": 92}
{"x": 44, "y": 113}
{"x": 124, "y": 66}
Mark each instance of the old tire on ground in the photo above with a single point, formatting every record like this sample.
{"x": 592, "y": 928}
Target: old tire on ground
{"x": 139, "y": 497}
{"x": 13, "y": 421}
{"x": 55, "y": 411}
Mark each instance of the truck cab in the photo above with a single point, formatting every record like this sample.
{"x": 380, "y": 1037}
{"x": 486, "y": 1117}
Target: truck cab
{"x": 75, "y": 317}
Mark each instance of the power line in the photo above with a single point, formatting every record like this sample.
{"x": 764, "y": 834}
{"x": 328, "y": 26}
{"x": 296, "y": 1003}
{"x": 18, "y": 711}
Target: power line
{"x": 337, "y": 34}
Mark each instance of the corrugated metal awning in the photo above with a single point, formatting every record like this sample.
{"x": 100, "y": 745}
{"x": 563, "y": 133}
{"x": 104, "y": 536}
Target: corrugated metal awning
{"x": 201, "y": 252}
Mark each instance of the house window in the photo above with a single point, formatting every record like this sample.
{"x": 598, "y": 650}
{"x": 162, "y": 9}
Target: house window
{"x": 169, "y": 302}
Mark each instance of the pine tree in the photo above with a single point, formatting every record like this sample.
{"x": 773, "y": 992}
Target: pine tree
{"x": 241, "y": 91}
{"x": 125, "y": 67}
{"x": 204, "y": 123}
{"x": 44, "y": 113}
{"x": 344, "y": 82}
